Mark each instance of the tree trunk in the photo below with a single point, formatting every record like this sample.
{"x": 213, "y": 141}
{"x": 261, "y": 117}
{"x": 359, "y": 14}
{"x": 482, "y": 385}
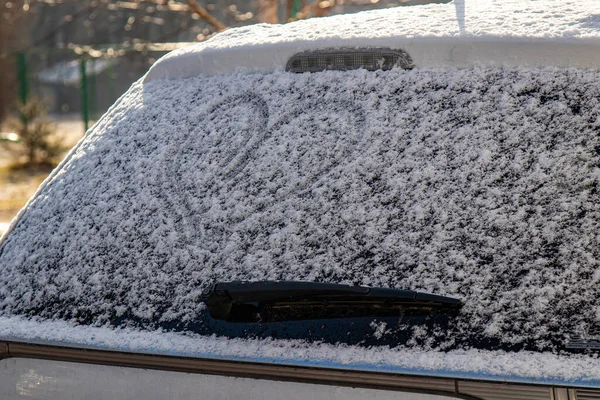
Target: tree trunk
{"x": 267, "y": 11}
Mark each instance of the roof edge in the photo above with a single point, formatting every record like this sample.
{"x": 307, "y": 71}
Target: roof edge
{"x": 458, "y": 52}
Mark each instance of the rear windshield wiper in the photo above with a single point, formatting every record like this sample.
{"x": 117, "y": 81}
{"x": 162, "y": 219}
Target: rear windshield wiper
{"x": 277, "y": 301}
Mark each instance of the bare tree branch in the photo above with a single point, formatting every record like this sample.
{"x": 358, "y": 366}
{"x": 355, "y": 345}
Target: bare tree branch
{"x": 267, "y": 11}
{"x": 134, "y": 5}
{"x": 317, "y": 8}
{"x": 205, "y": 15}
{"x": 77, "y": 14}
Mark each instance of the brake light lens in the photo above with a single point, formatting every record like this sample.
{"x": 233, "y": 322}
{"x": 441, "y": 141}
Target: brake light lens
{"x": 349, "y": 59}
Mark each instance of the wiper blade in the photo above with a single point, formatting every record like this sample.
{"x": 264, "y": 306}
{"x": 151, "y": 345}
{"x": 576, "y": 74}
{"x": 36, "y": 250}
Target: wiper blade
{"x": 277, "y": 301}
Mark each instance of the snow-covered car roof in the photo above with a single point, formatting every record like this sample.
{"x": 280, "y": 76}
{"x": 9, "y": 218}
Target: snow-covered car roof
{"x": 533, "y": 33}
{"x": 479, "y": 183}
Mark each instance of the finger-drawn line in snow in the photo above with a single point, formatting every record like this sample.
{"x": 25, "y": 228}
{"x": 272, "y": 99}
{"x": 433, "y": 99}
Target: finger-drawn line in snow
{"x": 186, "y": 184}
{"x": 218, "y": 153}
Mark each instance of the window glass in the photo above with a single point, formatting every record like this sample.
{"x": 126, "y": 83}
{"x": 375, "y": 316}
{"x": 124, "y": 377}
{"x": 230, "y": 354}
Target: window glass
{"x": 479, "y": 184}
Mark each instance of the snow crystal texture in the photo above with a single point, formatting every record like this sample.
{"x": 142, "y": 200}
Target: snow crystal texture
{"x": 476, "y": 183}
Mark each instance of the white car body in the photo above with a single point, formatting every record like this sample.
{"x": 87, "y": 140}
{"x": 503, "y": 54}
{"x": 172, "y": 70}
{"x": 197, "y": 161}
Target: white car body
{"x": 558, "y": 38}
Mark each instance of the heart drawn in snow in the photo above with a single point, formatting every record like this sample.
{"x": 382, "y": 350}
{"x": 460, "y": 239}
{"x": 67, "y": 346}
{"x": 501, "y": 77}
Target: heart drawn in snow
{"x": 235, "y": 148}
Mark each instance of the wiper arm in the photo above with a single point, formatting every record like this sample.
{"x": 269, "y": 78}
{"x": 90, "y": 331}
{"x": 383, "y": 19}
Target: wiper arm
{"x": 276, "y": 301}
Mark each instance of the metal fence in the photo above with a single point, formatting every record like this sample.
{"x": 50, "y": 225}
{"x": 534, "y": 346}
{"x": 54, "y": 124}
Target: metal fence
{"x": 80, "y": 81}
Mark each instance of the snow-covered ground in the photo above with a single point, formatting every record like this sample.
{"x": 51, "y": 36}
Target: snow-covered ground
{"x": 17, "y": 186}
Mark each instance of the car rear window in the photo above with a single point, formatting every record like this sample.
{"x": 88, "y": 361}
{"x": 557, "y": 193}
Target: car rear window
{"x": 480, "y": 184}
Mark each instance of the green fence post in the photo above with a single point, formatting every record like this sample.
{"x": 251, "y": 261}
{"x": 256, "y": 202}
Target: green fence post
{"x": 92, "y": 91}
{"x": 295, "y": 8}
{"x": 112, "y": 91}
{"x": 22, "y": 75}
{"x": 84, "y": 94}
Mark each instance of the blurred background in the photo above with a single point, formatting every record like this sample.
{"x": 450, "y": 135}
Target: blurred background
{"x": 64, "y": 62}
